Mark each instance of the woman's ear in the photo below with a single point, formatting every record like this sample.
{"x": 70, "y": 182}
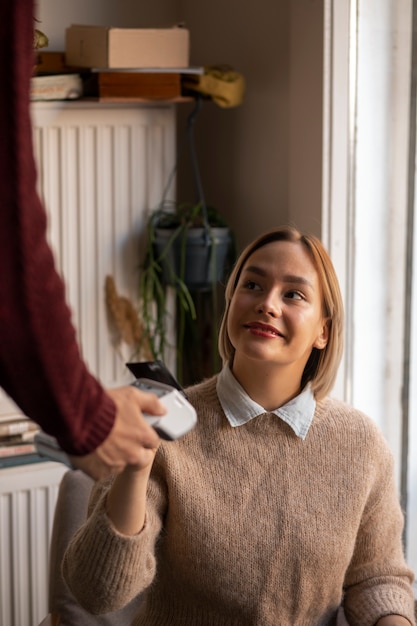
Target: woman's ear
{"x": 323, "y": 337}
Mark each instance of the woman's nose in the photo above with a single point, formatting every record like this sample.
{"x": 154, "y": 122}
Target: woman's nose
{"x": 270, "y": 305}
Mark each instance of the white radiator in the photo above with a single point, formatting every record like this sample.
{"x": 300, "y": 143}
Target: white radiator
{"x": 27, "y": 502}
{"x": 101, "y": 169}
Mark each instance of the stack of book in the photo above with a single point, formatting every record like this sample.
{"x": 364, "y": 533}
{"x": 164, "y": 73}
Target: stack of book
{"x": 17, "y": 446}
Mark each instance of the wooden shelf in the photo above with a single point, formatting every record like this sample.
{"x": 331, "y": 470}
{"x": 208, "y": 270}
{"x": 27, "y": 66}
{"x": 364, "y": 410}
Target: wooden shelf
{"x": 92, "y": 101}
{"x": 141, "y": 100}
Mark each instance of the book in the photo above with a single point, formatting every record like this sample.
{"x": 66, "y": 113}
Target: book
{"x": 25, "y": 437}
{"x": 17, "y": 427}
{"x": 56, "y": 87}
{"x": 48, "y": 447}
{"x": 17, "y": 449}
{"x": 24, "y": 459}
{"x": 146, "y": 85}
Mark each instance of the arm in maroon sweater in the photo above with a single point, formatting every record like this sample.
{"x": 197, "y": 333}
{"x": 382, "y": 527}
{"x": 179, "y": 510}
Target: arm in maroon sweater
{"x": 40, "y": 364}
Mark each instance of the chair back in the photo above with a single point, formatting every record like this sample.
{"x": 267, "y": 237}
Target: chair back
{"x": 70, "y": 513}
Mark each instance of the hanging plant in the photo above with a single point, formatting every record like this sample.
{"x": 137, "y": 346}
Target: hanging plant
{"x": 189, "y": 248}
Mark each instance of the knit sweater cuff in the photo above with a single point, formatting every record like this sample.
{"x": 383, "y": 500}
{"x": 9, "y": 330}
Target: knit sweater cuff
{"x": 388, "y": 601}
{"x": 105, "y": 569}
{"x": 92, "y": 433}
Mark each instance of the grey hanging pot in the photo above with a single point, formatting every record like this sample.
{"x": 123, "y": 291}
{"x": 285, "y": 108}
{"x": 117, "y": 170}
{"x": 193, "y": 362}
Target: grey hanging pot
{"x": 197, "y": 255}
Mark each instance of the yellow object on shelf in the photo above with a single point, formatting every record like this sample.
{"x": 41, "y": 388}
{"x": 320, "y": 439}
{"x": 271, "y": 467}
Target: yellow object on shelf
{"x": 222, "y": 84}
{"x": 40, "y": 40}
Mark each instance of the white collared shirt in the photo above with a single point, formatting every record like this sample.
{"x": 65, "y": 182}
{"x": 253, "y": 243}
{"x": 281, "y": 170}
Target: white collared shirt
{"x": 239, "y": 408}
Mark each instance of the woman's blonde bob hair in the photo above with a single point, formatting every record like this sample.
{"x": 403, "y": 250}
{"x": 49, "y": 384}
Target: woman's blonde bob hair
{"x": 321, "y": 368}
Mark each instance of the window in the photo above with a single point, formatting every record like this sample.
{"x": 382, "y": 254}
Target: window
{"x": 368, "y": 220}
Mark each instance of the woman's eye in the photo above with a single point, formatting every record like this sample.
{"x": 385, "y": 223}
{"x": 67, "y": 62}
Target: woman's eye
{"x": 294, "y": 295}
{"x": 250, "y": 284}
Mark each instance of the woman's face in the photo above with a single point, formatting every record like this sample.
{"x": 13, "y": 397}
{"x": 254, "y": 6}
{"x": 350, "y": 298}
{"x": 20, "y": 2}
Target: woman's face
{"x": 276, "y": 313}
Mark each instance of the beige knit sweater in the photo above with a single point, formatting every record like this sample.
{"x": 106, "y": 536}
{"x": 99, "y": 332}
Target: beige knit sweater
{"x": 254, "y": 526}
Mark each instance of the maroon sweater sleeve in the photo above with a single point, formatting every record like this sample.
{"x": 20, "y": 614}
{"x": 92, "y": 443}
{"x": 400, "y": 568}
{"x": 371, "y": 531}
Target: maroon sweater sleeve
{"x": 40, "y": 363}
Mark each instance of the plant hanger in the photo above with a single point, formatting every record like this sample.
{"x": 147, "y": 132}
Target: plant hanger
{"x": 194, "y": 162}
{"x": 189, "y": 140}
{"x": 187, "y": 249}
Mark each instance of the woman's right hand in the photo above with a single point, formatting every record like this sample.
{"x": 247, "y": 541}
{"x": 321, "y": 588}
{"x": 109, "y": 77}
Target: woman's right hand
{"x": 126, "y": 500}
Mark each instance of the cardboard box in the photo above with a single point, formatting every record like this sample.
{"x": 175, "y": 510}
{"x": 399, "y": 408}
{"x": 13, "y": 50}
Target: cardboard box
{"x": 104, "y": 47}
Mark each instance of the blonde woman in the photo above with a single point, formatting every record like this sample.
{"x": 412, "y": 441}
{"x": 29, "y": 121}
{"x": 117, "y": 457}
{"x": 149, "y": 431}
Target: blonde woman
{"x": 279, "y": 508}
